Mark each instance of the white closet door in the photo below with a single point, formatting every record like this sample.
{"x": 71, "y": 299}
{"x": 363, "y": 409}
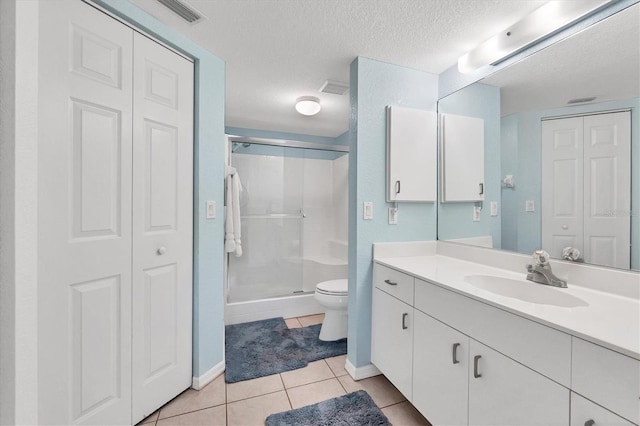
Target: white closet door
{"x": 162, "y": 225}
{"x": 84, "y": 222}
{"x": 607, "y": 195}
{"x": 562, "y": 185}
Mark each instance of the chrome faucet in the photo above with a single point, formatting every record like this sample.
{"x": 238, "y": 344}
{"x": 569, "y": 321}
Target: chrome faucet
{"x": 541, "y": 272}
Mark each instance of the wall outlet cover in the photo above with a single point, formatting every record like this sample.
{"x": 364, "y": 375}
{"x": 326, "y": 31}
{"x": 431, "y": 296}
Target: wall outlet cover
{"x": 476, "y": 213}
{"x": 529, "y": 206}
{"x": 494, "y": 208}
{"x": 211, "y": 210}
{"x": 393, "y": 216}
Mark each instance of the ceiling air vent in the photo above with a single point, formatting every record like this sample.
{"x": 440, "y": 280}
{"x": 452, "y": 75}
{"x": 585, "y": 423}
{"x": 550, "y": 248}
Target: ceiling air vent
{"x": 334, "y": 87}
{"x": 581, "y": 100}
{"x": 184, "y": 10}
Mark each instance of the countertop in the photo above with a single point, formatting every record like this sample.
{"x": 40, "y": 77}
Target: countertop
{"x": 609, "y": 320}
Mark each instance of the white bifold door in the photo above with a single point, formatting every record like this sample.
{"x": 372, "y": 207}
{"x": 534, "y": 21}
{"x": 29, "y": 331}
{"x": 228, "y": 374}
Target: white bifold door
{"x": 586, "y": 187}
{"x": 115, "y": 219}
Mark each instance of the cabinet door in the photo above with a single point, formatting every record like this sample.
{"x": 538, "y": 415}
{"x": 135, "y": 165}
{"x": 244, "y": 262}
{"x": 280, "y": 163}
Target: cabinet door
{"x": 586, "y": 413}
{"x": 392, "y": 340}
{"x": 504, "y": 392}
{"x": 440, "y": 371}
{"x": 411, "y": 154}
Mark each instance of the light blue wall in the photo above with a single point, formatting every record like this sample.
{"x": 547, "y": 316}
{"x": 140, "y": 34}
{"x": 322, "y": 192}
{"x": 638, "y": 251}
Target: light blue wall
{"x": 208, "y": 295}
{"x": 374, "y": 85}
{"x": 508, "y": 165}
{"x": 526, "y": 169}
{"x": 451, "y": 80}
{"x": 455, "y": 219}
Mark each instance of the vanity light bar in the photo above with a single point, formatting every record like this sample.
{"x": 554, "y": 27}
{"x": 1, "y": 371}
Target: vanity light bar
{"x": 538, "y": 25}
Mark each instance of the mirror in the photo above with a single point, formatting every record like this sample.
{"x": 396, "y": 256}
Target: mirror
{"x": 561, "y": 150}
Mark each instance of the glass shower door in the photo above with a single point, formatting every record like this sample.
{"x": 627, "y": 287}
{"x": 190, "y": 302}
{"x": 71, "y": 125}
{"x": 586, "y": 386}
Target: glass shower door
{"x": 271, "y": 206}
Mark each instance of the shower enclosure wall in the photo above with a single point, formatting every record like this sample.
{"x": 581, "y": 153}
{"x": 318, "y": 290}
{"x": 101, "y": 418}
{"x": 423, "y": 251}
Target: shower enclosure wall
{"x": 294, "y": 226}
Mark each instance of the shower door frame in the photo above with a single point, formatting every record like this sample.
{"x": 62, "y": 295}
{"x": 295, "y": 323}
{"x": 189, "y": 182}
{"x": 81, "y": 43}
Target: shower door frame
{"x": 283, "y": 143}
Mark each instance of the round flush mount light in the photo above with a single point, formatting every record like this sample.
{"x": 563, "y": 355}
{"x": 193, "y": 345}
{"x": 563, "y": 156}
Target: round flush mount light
{"x": 308, "y": 105}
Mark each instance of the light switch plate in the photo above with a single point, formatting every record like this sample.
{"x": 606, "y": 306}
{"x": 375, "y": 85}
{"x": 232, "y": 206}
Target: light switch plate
{"x": 494, "y": 208}
{"x": 211, "y": 209}
{"x": 529, "y": 206}
{"x": 367, "y": 210}
{"x": 476, "y": 213}
{"x": 393, "y": 216}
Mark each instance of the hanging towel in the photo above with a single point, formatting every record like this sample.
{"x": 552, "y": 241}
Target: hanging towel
{"x": 232, "y": 237}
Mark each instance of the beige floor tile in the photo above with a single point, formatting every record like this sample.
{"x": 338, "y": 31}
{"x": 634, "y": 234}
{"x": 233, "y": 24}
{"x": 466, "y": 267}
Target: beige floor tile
{"x": 293, "y": 323}
{"x": 314, "y": 372}
{"x": 311, "y": 320}
{"x": 315, "y": 392}
{"x": 254, "y": 411}
{"x": 151, "y": 418}
{"x": 379, "y": 388}
{"x": 216, "y": 416}
{"x": 191, "y": 400}
{"x": 404, "y": 414}
{"x": 336, "y": 364}
{"x": 255, "y": 387}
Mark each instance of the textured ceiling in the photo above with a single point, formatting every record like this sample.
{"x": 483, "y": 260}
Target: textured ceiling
{"x": 601, "y": 61}
{"x": 277, "y": 50}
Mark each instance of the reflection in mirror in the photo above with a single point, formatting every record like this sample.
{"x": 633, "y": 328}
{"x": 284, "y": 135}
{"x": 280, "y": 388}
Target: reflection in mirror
{"x": 561, "y": 150}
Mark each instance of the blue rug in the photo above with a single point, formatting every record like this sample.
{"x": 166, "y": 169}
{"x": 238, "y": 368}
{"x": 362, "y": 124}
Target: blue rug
{"x": 261, "y": 348}
{"x": 354, "y": 409}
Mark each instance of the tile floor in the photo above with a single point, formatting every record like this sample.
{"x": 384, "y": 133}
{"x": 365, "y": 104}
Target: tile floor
{"x": 249, "y": 402}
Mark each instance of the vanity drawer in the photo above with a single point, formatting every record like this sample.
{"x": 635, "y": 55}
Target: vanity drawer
{"x": 584, "y": 412}
{"x": 607, "y": 378}
{"x": 393, "y": 282}
{"x": 539, "y": 347}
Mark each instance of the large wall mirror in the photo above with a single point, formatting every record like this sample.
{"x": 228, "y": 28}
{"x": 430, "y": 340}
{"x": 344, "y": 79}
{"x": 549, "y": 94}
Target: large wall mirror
{"x": 560, "y": 164}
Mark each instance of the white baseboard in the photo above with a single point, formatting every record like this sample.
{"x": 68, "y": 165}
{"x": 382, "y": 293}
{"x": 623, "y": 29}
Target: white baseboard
{"x": 360, "y": 373}
{"x": 201, "y": 381}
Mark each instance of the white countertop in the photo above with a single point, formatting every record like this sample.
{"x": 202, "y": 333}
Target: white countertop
{"x": 610, "y": 320}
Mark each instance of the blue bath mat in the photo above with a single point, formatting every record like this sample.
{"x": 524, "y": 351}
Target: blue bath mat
{"x": 354, "y": 409}
{"x": 261, "y": 348}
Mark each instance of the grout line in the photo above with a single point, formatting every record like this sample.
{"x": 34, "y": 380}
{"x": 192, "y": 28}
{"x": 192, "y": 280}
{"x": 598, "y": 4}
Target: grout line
{"x": 286, "y": 392}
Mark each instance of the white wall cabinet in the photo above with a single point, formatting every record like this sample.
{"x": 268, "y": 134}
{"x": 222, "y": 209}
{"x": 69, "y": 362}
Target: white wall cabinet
{"x": 469, "y": 363}
{"x": 411, "y": 155}
{"x": 462, "y": 151}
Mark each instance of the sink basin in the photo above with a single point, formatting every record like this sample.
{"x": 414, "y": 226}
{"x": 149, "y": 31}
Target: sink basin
{"x": 526, "y": 291}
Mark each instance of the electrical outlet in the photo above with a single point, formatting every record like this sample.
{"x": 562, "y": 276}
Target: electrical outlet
{"x": 393, "y": 216}
{"x": 529, "y": 206}
{"x": 211, "y": 209}
{"x": 476, "y": 213}
{"x": 494, "y": 208}
{"x": 367, "y": 210}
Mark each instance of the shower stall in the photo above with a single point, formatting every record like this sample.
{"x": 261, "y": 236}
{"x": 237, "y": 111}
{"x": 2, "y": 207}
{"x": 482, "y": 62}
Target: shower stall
{"x": 293, "y": 209}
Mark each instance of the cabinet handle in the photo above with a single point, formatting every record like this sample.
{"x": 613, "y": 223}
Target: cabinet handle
{"x": 454, "y": 353}
{"x": 589, "y": 422}
{"x": 404, "y": 319}
{"x": 390, "y": 282}
{"x": 481, "y": 188}
{"x": 475, "y": 366}
{"x": 397, "y": 187}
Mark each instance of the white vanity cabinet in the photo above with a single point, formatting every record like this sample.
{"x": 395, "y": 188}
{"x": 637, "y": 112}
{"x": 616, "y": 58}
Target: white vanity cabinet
{"x": 586, "y": 413}
{"x": 392, "y": 327}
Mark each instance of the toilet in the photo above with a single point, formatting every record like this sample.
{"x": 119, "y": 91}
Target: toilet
{"x": 333, "y": 296}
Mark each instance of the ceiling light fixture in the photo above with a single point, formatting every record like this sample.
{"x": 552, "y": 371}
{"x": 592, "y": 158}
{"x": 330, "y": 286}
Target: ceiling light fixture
{"x": 535, "y": 27}
{"x": 308, "y": 105}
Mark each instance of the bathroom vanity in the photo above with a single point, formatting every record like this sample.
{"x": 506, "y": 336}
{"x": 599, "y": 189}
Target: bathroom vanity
{"x": 461, "y": 333}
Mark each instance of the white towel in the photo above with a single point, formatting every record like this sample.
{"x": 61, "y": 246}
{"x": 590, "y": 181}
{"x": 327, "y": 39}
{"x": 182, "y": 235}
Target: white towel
{"x": 232, "y": 241}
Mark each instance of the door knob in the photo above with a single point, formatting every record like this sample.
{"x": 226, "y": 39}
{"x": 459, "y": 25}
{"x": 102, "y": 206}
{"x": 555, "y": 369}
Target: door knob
{"x": 162, "y": 250}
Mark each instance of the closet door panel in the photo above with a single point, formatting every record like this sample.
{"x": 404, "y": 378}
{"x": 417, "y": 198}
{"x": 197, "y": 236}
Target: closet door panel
{"x": 162, "y": 225}
{"x": 84, "y": 222}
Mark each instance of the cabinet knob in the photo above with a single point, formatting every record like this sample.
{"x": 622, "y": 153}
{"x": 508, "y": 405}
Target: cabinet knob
{"x": 590, "y": 422}
{"x": 397, "y": 187}
{"x": 390, "y": 282}
{"x": 404, "y": 321}
{"x": 162, "y": 250}
{"x": 476, "y": 359}
{"x": 454, "y": 353}
{"x": 481, "y": 185}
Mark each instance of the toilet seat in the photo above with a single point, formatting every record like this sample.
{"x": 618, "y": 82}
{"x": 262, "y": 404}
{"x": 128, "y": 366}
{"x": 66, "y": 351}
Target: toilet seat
{"x": 333, "y": 287}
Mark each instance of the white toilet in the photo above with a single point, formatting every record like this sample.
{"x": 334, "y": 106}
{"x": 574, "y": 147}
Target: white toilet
{"x": 333, "y": 296}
